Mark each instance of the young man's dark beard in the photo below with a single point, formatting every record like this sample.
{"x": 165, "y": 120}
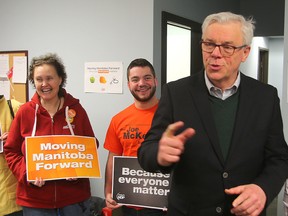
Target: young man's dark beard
{"x": 153, "y": 90}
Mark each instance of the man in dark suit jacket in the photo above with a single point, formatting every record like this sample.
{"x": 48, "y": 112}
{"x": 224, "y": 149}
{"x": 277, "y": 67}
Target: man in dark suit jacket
{"x": 219, "y": 132}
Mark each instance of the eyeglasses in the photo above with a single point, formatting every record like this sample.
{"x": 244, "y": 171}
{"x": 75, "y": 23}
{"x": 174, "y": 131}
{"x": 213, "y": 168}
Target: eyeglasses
{"x": 226, "y": 50}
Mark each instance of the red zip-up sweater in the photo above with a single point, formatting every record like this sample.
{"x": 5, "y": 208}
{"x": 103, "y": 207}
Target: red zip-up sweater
{"x": 55, "y": 193}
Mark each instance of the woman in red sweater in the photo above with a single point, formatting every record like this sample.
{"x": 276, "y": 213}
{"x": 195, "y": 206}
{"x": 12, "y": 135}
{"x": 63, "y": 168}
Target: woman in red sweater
{"x": 46, "y": 114}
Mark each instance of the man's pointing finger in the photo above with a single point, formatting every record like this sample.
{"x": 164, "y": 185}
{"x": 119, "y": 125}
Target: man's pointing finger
{"x": 172, "y": 128}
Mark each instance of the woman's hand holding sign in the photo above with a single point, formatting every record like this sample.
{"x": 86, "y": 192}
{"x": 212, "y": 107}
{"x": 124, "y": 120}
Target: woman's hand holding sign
{"x": 39, "y": 182}
{"x": 110, "y": 203}
{"x": 171, "y": 146}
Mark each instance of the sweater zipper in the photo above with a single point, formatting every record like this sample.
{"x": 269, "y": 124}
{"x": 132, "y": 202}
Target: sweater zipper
{"x": 55, "y": 201}
{"x": 55, "y": 190}
{"x": 52, "y": 126}
{"x": 52, "y": 120}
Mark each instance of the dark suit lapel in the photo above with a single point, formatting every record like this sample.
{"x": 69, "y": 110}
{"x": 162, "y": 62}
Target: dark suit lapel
{"x": 202, "y": 105}
{"x": 243, "y": 114}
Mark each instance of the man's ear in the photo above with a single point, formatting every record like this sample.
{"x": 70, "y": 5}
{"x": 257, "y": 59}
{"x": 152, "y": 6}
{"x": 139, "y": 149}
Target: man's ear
{"x": 246, "y": 53}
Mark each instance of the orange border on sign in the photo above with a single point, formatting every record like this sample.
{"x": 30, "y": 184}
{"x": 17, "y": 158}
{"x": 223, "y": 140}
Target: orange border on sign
{"x": 61, "y": 156}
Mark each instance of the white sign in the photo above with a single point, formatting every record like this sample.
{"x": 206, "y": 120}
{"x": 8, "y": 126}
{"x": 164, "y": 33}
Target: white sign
{"x": 4, "y": 65}
{"x": 103, "y": 77}
{"x": 5, "y": 87}
{"x": 19, "y": 69}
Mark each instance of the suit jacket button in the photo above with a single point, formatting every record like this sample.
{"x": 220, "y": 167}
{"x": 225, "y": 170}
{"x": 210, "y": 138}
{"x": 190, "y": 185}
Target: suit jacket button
{"x": 218, "y": 210}
{"x": 225, "y": 175}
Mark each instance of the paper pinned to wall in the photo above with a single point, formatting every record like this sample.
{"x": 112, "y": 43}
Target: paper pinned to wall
{"x": 4, "y": 65}
{"x": 19, "y": 69}
{"x": 104, "y": 77}
{"x": 5, "y": 87}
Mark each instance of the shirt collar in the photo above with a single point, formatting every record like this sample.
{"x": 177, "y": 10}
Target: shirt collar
{"x": 217, "y": 92}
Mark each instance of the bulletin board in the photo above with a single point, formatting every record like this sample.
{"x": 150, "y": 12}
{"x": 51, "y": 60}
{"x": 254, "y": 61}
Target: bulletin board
{"x": 18, "y": 91}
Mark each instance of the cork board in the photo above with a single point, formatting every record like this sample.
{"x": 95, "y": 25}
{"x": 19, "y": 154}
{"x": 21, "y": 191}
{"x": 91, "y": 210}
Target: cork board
{"x": 18, "y": 91}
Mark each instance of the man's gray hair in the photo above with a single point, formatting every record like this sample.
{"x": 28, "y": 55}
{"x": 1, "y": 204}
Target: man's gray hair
{"x": 226, "y": 17}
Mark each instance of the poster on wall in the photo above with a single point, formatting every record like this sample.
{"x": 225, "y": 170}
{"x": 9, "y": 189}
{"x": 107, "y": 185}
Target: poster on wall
{"x": 5, "y": 87}
{"x": 4, "y": 65}
{"x": 4, "y": 81}
{"x": 104, "y": 77}
{"x": 19, "y": 69}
